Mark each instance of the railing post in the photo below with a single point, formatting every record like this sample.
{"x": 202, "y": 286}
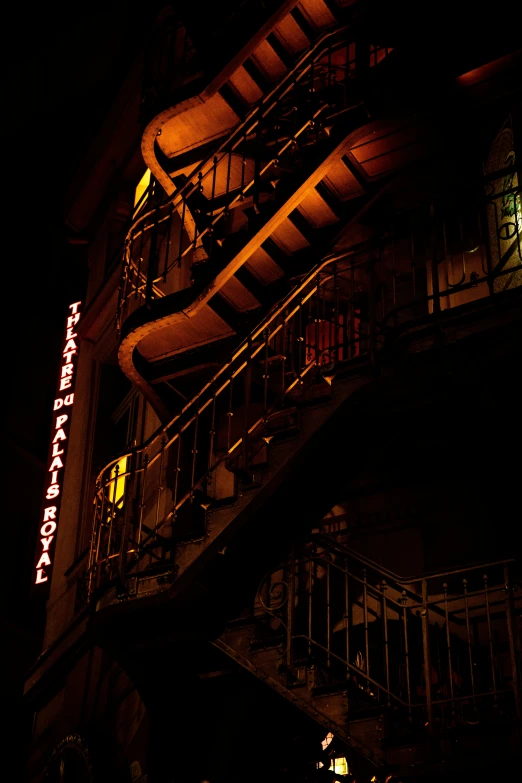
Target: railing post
{"x": 291, "y": 615}
{"x": 247, "y": 380}
{"x": 434, "y": 265}
{"x": 384, "y": 587}
{"x": 93, "y": 560}
{"x": 366, "y": 630}
{"x": 511, "y": 639}
{"x": 372, "y": 310}
{"x": 403, "y": 600}
{"x": 426, "y": 655}
{"x": 151, "y": 271}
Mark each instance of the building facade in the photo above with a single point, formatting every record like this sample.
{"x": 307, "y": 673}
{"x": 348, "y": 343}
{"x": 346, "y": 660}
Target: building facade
{"x": 280, "y": 532}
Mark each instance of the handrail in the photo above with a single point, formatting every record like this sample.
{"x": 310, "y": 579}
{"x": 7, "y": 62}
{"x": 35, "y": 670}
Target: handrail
{"x": 276, "y": 311}
{"x": 387, "y": 574}
{"x": 146, "y": 280}
{"x": 282, "y": 333}
{"x": 244, "y": 123}
{"x": 348, "y": 623}
{"x": 272, "y": 315}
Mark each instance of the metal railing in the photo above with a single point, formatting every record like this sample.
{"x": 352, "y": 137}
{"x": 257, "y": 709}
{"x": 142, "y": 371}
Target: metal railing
{"x": 157, "y": 494}
{"x": 153, "y": 496}
{"x": 194, "y": 223}
{"x": 353, "y": 623}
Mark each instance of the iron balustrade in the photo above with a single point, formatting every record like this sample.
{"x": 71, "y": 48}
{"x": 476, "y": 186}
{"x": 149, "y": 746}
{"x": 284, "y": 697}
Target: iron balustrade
{"x": 350, "y": 623}
{"x": 158, "y": 493}
{"x": 193, "y": 224}
{"x": 344, "y": 310}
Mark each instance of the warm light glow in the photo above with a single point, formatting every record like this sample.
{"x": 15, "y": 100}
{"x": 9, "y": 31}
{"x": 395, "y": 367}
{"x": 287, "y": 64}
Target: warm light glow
{"x": 339, "y": 766}
{"x": 327, "y": 740}
{"x": 117, "y": 485}
{"x": 141, "y": 187}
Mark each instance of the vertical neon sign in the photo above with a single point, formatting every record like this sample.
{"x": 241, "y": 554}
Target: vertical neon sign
{"x": 58, "y": 451}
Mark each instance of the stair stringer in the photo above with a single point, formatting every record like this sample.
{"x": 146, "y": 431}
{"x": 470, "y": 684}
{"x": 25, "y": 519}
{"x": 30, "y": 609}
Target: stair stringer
{"x": 241, "y": 657}
{"x": 161, "y": 313}
{"x": 154, "y": 127}
{"x": 284, "y": 458}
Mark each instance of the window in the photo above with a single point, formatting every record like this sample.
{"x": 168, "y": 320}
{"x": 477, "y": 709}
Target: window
{"x": 504, "y": 213}
{"x": 327, "y": 740}
{"x": 117, "y": 487}
{"x": 339, "y": 766}
{"x": 141, "y": 190}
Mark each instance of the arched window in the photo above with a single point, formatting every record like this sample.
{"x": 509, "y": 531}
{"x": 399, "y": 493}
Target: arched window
{"x": 504, "y": 211}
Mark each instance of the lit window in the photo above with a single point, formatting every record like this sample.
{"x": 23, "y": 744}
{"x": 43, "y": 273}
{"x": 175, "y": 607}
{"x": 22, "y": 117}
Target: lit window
{"x": 117, "y": 485}
{"x": 327, "y": 740}
{"x": 142, "y": 186}
{"x": 339, "y": 766}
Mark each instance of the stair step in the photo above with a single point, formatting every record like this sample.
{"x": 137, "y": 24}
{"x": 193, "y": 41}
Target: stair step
{"x": 257, "y": 75}
{"x": 267, "y": 644}
{"x": 291, "y": 35}
{"x": 234, "y": 99}
{"x": 285, "y": 54}
{"x": 330, "y": 688}
{"x": 319, "y": 393}
{"x": 304, "y": 24}
{"x": 268, "y": 61}
{"x": 245, "y": 86}
{"x": 317, "y": 13}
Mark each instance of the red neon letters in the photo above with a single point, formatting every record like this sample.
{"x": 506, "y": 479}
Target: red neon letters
{"x": 58, "y": 446}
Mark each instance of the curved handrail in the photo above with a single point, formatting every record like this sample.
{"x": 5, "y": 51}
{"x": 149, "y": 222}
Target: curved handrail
{"x": 327, "y": 333}
{"x": 244, "y": 345}
{"x": 277, "y": 310}
{"x": 283, "y": 327}
{"x": 137, "y": 280}
{"x": 189, "y": 185}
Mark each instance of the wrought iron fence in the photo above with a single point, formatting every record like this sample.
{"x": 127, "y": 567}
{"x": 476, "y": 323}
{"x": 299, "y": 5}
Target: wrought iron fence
{"x": 437, "y": 651}
{"x": 155, "y": 495}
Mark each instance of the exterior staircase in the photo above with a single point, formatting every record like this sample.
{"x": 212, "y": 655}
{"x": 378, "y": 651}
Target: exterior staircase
{"x": 269, "y": 196}
{"x": 255, "y": 201}
{"x": 173, "y": 503}
{"x": 348, "y": 642}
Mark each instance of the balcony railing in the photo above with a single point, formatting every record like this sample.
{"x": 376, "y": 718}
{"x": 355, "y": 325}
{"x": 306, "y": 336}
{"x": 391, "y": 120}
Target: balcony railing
{"x": 436, "y": 652}
{"x": 345, "y": 310}
{"x": 193, "y": 224}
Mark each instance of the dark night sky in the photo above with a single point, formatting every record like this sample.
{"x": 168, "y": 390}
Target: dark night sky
{"x": 59, "y": 70}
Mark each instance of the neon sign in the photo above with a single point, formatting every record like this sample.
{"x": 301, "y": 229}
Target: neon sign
{"x": 60, "y": 434}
